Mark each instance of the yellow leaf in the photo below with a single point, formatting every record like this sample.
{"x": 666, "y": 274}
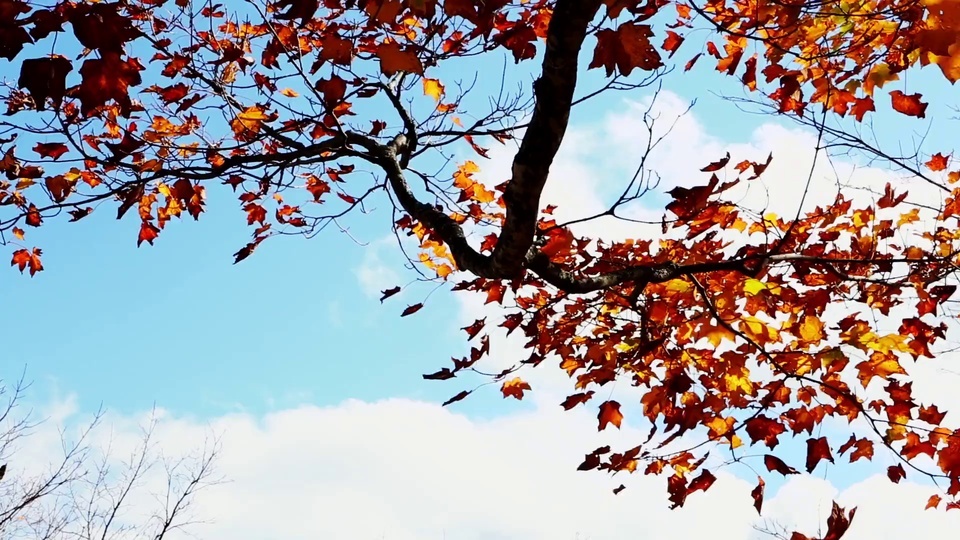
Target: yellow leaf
{"x": 811, "y": 329}
{"x": 289, "y": 92}
{"x": 879, "y": 365}
{"x": 753, "y": 286}
{"x": 18, "y": 232}
{"x": 677, "y": 286}
{"x": 433, "y": 88}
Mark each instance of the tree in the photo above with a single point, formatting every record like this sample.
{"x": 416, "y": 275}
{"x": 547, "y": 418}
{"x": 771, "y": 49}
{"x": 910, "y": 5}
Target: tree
{"x": 716, "y": 315}
{"x": 88, "y": 493}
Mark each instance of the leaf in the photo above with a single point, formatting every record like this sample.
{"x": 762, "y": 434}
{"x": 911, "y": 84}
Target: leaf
{"x": 896, "y": 473}
{"x": 105, "y": 79}
{"x": 388, "y": 293}
{"x": 576, "y": 399}
{"x": 442, "y": 375}
{"x": 938, "y": 162}
{"x": 609, "y": 414}
{"x": 717, "y": 165}
{"x": 394, "y": 59}
{"x": 23, "y": 259}
{"x": 45, "y": 78}
{"x": 514, "y": 388}
{"x": 701, "y": 482}
{"x": 811, "y": 329}
{"x": 456, "y": 398}
{"x": 625, "y": 49}
{"x": 433, "y": 88}
{"x": 909, "y": 105}
{"x": 817, "y": 450}
{"x": 51, "y": 150}
{"x": 933, "y": 502}
{"x": 148, "y": 233}
{"x": 244, "y": 252}
{"x": 775, "y": 464}
{"x": 881, "y": 365}
{"x": 757, "y": 494}
{"x": 410, "y": 310}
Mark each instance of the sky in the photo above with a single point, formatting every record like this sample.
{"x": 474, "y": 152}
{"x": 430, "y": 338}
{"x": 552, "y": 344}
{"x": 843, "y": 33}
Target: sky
{"x": 315, "y": 386}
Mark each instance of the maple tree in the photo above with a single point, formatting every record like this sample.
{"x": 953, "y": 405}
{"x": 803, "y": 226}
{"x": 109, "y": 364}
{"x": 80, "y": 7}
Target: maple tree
{"x": 718, "y": 320}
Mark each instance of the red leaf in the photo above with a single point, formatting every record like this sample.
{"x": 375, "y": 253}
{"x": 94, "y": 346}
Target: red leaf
{"x": 388, "y": 293}
{"x": 576, "y": 399}
{"x": 51, "y": 150}
{"x": 895, "y": 473}
{"x": 757, "y": 494}
{"x": 717, "y": 165}
{"x": 817, "y": 450}
{"x": 442, "y": 375}
{"x": 45, "y": 78}
{"x": 456, "y": 398}
{"x": 774, "y": 463}
{"x": 411, "y": 309}
{"x": 909, "y": 105}
{"x": 702, "y": 482}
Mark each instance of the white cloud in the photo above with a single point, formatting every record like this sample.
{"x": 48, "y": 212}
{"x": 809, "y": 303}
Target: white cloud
{"x": 401, "y": 469}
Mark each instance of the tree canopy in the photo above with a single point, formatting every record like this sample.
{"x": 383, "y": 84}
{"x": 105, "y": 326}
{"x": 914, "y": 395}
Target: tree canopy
{"x": 723, "y": 318}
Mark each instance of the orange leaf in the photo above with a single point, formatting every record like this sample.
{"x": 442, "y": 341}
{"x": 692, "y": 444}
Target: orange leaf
{"x": 394, "y": 59}
{"x": 909, "y": 105}
{"x": 938, "y": 162}
{"x": 148, "y": 233}
{"x": 609, "y": 414}
{"x": 514, "y": 388}
{"x": 23, "y": 259}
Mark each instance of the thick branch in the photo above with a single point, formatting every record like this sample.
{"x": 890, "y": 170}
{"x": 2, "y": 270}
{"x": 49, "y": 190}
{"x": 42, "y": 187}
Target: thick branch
{"x": 531, "y": 166}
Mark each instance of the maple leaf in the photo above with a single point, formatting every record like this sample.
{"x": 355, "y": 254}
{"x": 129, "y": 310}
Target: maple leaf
{"x": 433, "y": 88}
{"x": 626, "y": 48}
{"x": 514, "y": 388}
{"x": 609, "y": 414}
{"x": 388, "y": 293}
{"x": 775, "y": 464}
{"x": 456, "y": 398}
{"x": 938, "y": 162}
{"x": 148, "y": 233}
{"x": 757, "y": 494}
{"x": 45, "y": 78}
{"x": 393, "y": 59}
{"x": 51, "y": 150}
{"x": 896, "y": 473}
{"x": 23, "y": 259}
{"x": 817, "y": 449}
{"x": 576, "y": 399}
{"x": 909, "y": 105}
{"x": 410, "y": 310}
{"x": 107, "y": 78}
